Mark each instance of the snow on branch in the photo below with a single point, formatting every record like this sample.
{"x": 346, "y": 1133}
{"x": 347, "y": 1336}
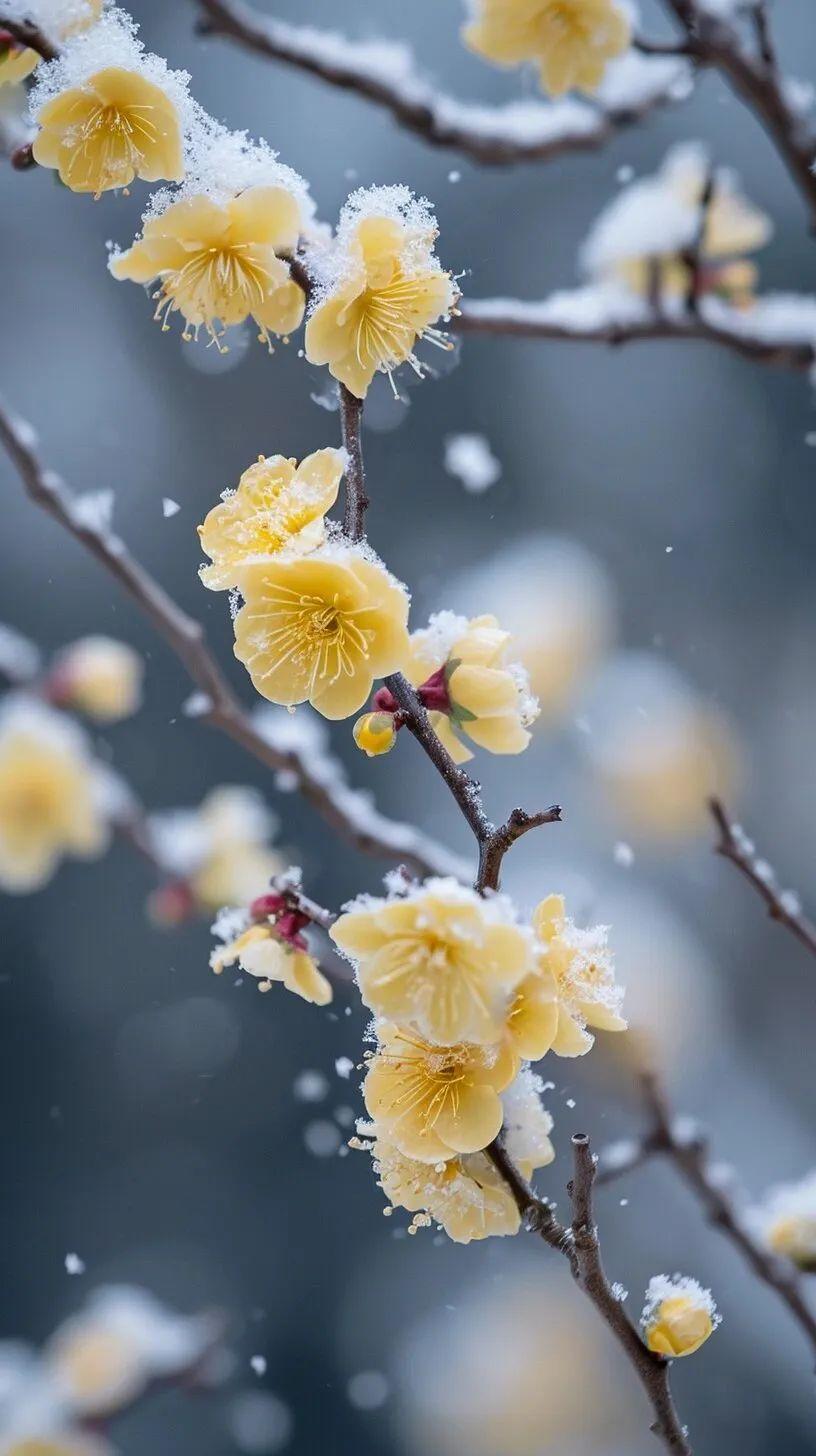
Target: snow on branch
{"x": 385, "y": 73}
{"x": 782, "y": 905}
{"x": 779, "y": 328}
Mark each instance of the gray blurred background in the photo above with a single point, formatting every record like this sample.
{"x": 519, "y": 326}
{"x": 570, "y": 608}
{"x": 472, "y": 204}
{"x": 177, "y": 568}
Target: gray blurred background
{"x": 185, "y": 1164}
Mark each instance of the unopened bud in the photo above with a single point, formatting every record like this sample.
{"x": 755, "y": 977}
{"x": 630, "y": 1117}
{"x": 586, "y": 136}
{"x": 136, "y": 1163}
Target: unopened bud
{"x": 678, "y": 1317}
{"x": 375, "y": 733}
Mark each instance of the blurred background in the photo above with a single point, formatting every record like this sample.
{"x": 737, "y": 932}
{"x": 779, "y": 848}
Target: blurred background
{"x": 651, "y": 538}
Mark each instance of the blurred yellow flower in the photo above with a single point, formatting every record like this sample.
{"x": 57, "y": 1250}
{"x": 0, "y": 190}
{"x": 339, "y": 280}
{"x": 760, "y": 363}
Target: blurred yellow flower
{"x": 236, "y": 862}
{"x": 440, "y": 958}
{"x": 374, "y": 733}
{"x": 100, "y": 677}
{"x": 279, "y": 505}
{"x": 432, "y": 1102}
{"x": 733, "y": 226}
{"x": 16, "y": 61}
{"x": 466, "y": 1194}
{"x": 49, "y": 795}
{"x": 96, "y": 1372}
{"x": 580, "y": 963}
{"x": 571, "y": 41}
{"x": 388, "y": 291}
{"x": 786, "y": 1222}
{"x": 678, "y": 1317}
{"x": 218, "y": 264}
{"x": 320, "y": 628}
{"x": 262, "y": 954}
{"x": 116, "y": 126}
{"x": 469, "y": 688}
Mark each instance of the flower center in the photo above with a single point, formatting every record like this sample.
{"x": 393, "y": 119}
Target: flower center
{"x": 110, "y": 144}
{"x": 308, "y": 629}
{"x": 216, "y": 285}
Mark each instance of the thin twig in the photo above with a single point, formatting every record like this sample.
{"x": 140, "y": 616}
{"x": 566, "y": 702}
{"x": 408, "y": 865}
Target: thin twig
{"x": 579, "y": 1245}
{"x": 652, "y": 1370}
{"x": 29, "y": 35}
{"x": 489, "y": 135}
{"x": 552, "y": 319}
{"x": 692, "y": 256}
{"x": 351, "y": 410}
{"x": 355, "y": 821}
{"x": 714, "y": 41}
{"x": 689, "y": 1155}
{"x": 781, "y": 905}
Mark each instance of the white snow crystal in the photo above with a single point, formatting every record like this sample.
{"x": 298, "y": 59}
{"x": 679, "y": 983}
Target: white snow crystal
{"x": 169, "y": 507}
{"x": 73, "y": 1264}
{"x": 668, "y": 1286}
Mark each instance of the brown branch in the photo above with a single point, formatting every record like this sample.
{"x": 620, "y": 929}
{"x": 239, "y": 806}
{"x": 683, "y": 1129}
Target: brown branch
{"x": 715, "y": 42}
{"x": 29, "y": 35}
{"x": 692, "y": 256}
{"x": 550, "y": 319}
{"x": 368, "y": 831}
{"x": 781, "y": 905}
{"x": 351, "y": 411}
{"x": 489, "y": 135}
{"x": 652, "y": 1370}
{"x": 689, "y": 1155}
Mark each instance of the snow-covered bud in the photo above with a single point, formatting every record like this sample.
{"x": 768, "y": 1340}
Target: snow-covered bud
{"x": 375, "y": 733}
{"x": 678, "y": 1317}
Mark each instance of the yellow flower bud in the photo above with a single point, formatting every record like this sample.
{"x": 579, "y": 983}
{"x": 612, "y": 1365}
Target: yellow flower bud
{"x": 678, "y": 1317}
{"x": 375, "y": 733}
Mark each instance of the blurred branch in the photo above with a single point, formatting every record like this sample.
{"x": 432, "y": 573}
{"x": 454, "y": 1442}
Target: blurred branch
{"x": 25, "y": 33}
{"x": 493, "y": 135}
{"x": 692, "y": 256}
{"x": 714, "y": 41}
{"x": 684, "y": 1144}
{"x": 353, "y": 819}
{"x": 782, "y": 905}
{"x": 560, "y": 318}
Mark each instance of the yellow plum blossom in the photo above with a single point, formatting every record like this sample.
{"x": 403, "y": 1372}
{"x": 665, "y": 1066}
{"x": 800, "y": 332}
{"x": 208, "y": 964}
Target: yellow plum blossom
{"x": 374, "y": 733}
{"x": 115, "y": 126}
{"x": 469, "y": 688}
{"x": 384, "y": 291}
{"x": 678, "y": 1317}
{"x": 786, "y": 1222}
{"x": 18, "y": 61}
{"x": 570, "y": 41}
{"x": 100, "y": 677}
{"x": 262, "y": 954}
{"x": 50, "y": 800}
{"x": 219, "y": 263}
{"x": 320, "y": 628}
{"x": 580, "y": 963}
{"x": 440, "y": 958}
{"x": 433, "y": 1102}
{"x": 465, "y": 1194}
{"x": 279, "y": 505}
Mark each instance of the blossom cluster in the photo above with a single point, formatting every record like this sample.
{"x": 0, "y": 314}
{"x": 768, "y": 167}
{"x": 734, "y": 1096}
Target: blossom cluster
{"x": 464, "y": 998}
